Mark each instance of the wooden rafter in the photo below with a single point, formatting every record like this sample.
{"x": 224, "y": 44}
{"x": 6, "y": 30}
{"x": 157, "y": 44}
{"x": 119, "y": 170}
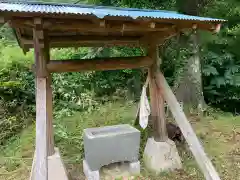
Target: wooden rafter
{"x": 97, "y": 26}
{"x": 103, "y": 40}
{"x": 119, "y": 29}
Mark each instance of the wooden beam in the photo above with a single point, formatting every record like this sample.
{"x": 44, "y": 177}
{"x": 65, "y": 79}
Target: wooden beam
{"x": 19, "y": 35}
{"x": 98, "y": 64}
{"x": 86, "y": 40}
{"x": 83, "y": 25}
{"x": 105, "y": 26}
{"x": 189, "y": 134}
{"x": 211, "y": 27}
{"x": 98, "y": 40}
{"x": 67, "y": 23}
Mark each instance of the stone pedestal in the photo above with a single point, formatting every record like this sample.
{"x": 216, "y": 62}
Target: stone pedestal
{"x": 110, "y": 144}
{"x": 90, "y": 174}
{"x": 107, "y": 145}
{"x": 113, "y": 171}
{"x": 161, "y": 156}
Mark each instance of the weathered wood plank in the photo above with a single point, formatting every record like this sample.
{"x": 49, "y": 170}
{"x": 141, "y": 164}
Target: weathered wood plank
{"x": 98, "y": 64}
{"x": 189, "y": 134}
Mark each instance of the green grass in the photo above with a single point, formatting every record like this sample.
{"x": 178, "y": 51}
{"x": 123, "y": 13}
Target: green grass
{"x": 220, "y": 134}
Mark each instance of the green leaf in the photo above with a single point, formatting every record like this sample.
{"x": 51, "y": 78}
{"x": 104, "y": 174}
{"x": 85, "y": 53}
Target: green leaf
{"x": 208, "y": 70}
{"x": 218, "y": 81}
{"x": 236, "y": 79}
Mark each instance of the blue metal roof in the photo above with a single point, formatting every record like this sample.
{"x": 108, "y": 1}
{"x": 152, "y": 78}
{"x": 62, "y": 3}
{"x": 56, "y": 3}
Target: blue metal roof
{"x": 98, "y": 11}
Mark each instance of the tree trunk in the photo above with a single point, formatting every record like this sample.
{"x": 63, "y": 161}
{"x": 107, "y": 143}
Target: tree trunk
{"x": 188, "y": 86}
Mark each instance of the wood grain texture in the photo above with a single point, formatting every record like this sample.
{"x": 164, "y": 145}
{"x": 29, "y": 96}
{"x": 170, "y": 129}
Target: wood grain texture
{"x": 42, "y": 103}
{"x": 86, "y": 40}
{"x": 41, "y": 170}
{"x": 98, "y": 64}
{"x": 195, "y": 146}
{"x": 157, "y": 101}
{"x": 50, "y": 130}
{"x": 39, "y": 52}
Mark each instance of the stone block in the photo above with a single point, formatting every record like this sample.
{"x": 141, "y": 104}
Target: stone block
{"x": 110, "y": 144}
{"x": 161, "y": 156}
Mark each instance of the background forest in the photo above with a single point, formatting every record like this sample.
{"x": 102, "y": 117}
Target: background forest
{"x": 215, "y": 56}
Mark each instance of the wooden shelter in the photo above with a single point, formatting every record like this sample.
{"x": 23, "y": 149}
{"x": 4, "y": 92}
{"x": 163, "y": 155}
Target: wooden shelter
{"x": 45, "y": 26}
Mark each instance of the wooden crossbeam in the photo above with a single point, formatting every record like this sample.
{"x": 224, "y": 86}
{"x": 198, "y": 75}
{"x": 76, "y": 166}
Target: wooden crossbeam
{"x": 98, "y": 64}
{"x": 195, "y": 146}
{"x": 80, "y": 40}
{"x": 100, "y": 40}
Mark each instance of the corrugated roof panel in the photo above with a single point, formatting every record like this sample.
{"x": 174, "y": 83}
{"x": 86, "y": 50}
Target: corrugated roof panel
{"x": 99, "y": 11}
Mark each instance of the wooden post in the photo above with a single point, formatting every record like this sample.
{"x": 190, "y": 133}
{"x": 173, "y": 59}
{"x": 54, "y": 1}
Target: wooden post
{"x": 157, "y": 101}
{"x": 50, "y": 132}
{"x": 44, "y": 132}
{"x": 41, "y": 170}
{"x": 191, "y": 138}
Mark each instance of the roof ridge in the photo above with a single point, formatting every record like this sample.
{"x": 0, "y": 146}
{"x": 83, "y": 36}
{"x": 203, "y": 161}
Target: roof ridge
{"x": 98, "y": 11}
{"x": 83, "y": 6}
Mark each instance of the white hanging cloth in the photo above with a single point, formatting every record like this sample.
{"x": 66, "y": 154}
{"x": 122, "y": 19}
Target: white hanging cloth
{"x": 144, "y": 107}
